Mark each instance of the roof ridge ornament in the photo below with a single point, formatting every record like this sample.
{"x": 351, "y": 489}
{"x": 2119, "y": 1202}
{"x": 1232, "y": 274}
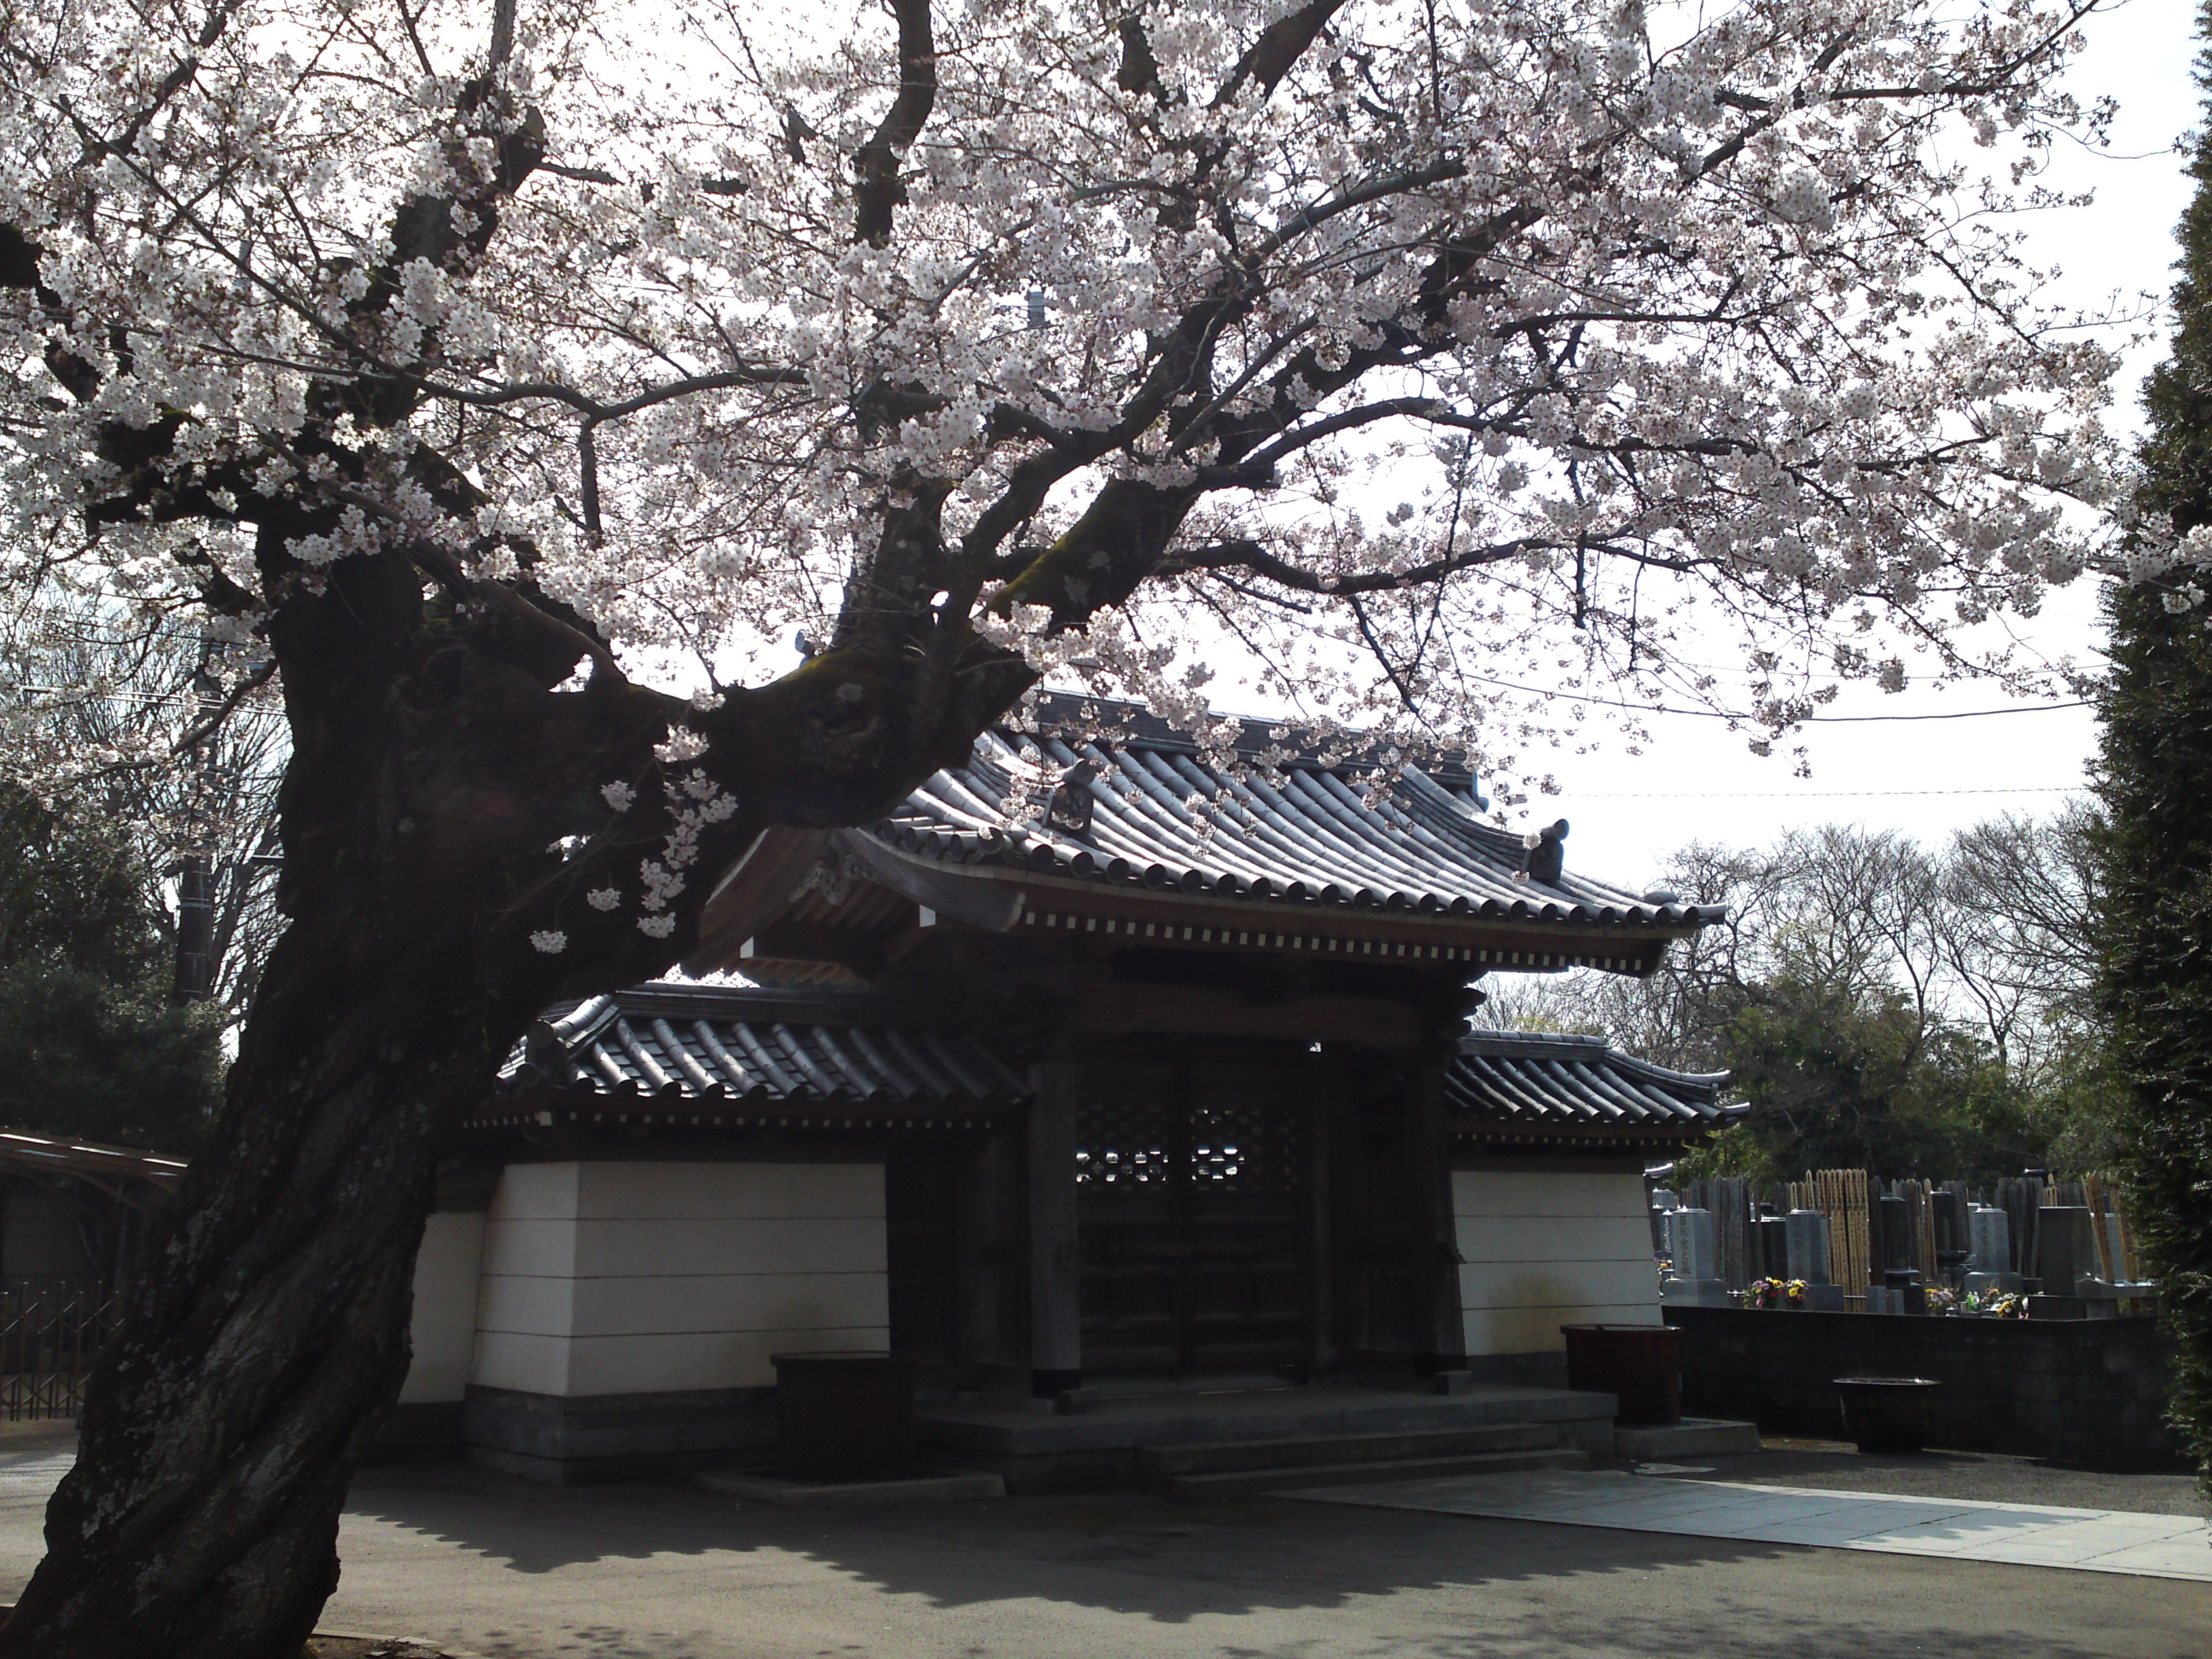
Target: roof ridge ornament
{"x": 1069, "y": 806}
{"x": 833, "y": 875}
{"x": 1544, "y": 858}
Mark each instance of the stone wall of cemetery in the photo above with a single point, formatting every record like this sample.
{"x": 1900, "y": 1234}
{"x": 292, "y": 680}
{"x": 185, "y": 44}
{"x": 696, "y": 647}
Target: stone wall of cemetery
{"x": 2080, "y": 1391}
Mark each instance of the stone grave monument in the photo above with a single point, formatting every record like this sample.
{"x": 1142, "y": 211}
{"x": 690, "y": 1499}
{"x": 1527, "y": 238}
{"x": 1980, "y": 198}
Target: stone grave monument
{"x": 1694, "y": 1281}
{"x": 1988, "y": 1260}
{"x": 1806, "y": 1234}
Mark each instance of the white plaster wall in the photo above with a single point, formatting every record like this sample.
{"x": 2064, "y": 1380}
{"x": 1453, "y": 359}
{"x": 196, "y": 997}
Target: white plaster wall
{"x": 444, "y": 1331}
{"x": 1546, "y": 1249}
{"x": 624, "y": 1277}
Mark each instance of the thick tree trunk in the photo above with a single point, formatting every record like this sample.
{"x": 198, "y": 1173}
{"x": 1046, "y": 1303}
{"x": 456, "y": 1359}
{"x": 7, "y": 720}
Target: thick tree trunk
{"x": 441, "y": 806}
{"x": 269, "y": 1331}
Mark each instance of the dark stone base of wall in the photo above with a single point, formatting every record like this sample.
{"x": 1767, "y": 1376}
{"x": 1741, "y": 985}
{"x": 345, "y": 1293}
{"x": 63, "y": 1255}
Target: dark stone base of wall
{"x": 1527, "y": 1370}
{"x": 421, "y": 1433}
{"x": 616, "y": 1436}
{"x": 2088, "y": 1392}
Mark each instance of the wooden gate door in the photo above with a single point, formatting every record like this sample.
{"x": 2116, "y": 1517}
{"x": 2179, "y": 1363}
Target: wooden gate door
{"x": 1194, "y": 1182}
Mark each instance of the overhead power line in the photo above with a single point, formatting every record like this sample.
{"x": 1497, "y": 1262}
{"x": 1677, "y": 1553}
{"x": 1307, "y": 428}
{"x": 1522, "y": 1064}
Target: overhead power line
{"x": 1844, "y": 794}
{"x": 1753, "y": 720}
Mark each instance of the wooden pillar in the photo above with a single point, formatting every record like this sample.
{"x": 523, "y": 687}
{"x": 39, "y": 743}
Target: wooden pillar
{"x": 989, "y": 1228}
{"x": 1056, "y": 1264}
{"x": 1321, "y": 1091}
{"x": 1441, "y": 1328}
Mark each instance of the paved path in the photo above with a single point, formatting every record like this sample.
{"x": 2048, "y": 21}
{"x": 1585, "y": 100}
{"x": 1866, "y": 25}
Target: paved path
{"x": 1959, "y": 1529}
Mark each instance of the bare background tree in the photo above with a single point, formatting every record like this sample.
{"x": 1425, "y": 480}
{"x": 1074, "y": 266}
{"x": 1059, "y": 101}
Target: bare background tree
{"x": 1877, "y": 1001}
{"x": 96, "y": 680}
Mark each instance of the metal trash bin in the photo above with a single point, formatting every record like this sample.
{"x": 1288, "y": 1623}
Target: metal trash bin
{"x": 1889, "y": 1413}
{"x": 1640, "y": 1364}
{"x": 844, "y": 1415}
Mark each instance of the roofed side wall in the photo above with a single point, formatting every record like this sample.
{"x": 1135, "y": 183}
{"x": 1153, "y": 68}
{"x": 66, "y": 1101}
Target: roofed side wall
{"x": 1544, "y": 1248}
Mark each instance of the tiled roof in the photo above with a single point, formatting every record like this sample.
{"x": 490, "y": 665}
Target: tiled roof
{"x": 1156, "y": 815}
{"x": 680, "y": 1044}
{"x": 1522, "y": 1079}
{"x": 708, "y": 1044}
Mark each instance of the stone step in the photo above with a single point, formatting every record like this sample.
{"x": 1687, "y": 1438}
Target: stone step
{"x": 1693, "y": 1437}
{"x": 1314, "y": 1451}
{"x": 1242, "y": 1483}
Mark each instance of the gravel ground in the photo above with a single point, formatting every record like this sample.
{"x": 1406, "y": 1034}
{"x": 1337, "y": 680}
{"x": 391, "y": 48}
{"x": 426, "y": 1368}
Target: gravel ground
{"x": 1836, "y": 1465}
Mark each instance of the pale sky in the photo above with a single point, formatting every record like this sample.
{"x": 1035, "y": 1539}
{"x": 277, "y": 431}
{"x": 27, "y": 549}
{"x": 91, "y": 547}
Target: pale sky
{"x": 1697, "y": 782}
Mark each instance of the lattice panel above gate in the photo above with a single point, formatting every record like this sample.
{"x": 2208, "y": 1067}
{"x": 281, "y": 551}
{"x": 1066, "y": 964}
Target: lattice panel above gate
{"x": 1251, "y": 1148}
{"x": 1146, "y": 1140}
{"x": 1127, "y": 1142}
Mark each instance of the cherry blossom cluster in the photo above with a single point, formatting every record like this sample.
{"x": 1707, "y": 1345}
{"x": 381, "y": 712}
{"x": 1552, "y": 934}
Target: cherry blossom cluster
{"x": 1479, "y": 344}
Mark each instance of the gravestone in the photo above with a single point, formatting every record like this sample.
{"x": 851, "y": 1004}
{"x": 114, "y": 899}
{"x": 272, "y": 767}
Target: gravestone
{"x": 1770, "y": 1246}
{"x": 1946, "y": 1209}
{"x": 1989, "y": 1235}
{"x": 1990, "y": 1266}
{"x": 1663, "y": 1202}
{"x": 1690, "y": 1243}
{"x": 1906, "y": 1294}
{"x": 1896, "y": 1223}
{"x": 1805, "y": 1233}
{"x": 2065, "y": 1249}
{"x": 2021, "y": 1198}
{"x": 1693, "y": 1281}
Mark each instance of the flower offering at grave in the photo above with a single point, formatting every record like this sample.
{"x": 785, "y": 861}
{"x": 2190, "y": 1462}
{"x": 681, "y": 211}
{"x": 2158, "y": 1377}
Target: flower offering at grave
{"x": 1773, "y": 1293}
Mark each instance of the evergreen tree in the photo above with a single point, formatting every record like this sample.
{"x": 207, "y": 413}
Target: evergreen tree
{"x": 2156, "y": 776}
{"x": 89, "y": 1047}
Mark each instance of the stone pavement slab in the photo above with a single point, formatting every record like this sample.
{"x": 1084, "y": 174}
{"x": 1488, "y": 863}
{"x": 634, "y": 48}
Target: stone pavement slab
{"x": 2024, "y": 1534}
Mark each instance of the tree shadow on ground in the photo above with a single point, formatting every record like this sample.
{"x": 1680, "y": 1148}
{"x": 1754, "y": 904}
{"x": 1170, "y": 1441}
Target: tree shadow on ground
{"x": 1265, "y": 1579}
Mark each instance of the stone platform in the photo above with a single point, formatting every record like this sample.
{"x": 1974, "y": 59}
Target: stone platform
{"x": 1103, "y": 1446}
{"x": 1693, "y": 1437}
{"x": 929, "y": 1486}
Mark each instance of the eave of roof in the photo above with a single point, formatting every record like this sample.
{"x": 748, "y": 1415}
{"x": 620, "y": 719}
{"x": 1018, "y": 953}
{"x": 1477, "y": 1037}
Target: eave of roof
{"x": 712, "y": 1051}
{"x": 48, "y": 1155}
{"x": 1517, "y": 1081}
{"x": 675, "y": 1057}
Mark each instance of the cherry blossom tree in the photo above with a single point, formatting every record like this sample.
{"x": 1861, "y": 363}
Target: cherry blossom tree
{"x": 503, "y": 385}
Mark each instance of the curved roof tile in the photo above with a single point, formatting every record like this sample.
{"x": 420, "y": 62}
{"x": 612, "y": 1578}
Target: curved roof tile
{"x": 706, "y": 1042}
{"x": 1162, "y": 818}
{"x": 710, "y": 1042}
{"x": 1523, "y": 1078}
